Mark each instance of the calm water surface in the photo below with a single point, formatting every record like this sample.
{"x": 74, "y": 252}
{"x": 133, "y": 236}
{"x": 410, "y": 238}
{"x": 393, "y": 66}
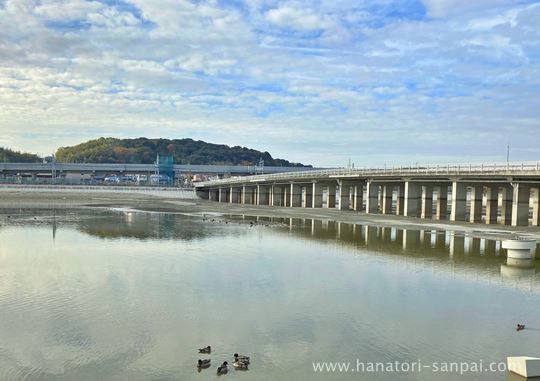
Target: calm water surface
{"x": 131, "y": 296}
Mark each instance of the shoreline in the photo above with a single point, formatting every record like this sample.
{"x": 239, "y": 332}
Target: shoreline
{"x": 62, "y": 199}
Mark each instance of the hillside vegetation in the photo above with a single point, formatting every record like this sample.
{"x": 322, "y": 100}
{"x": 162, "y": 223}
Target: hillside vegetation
{"x": 9, "y": 156}
{"x": 144, "y": 151}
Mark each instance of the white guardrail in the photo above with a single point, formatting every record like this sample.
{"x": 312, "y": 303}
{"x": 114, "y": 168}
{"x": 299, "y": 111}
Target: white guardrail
{"x": 436, "y": 169}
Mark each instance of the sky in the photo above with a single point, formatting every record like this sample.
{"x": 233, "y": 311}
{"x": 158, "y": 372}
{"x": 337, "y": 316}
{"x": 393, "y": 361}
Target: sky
{"x": 321, "y": 82}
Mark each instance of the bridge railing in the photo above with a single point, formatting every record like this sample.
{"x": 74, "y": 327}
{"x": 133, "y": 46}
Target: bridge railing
{"x": 432, "y": 169}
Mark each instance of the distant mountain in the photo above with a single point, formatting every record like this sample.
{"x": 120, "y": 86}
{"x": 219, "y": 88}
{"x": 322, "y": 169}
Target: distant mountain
{"x": 9, "y": 156}
{"x": 184, "y": 151}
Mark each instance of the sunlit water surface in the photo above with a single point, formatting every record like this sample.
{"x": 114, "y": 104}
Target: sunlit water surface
{"x": 131, "y": 296}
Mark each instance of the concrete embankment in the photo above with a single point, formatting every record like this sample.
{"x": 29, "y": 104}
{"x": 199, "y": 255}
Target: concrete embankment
{"x": 168, "y": 192}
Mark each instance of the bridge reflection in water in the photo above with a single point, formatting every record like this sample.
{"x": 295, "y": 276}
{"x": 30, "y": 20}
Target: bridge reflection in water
{"x": 462, "y": 255}
{"x": 449, "y": 252}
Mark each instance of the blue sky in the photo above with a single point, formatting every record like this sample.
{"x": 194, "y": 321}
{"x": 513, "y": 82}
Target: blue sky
{"x": 376, "y": 82}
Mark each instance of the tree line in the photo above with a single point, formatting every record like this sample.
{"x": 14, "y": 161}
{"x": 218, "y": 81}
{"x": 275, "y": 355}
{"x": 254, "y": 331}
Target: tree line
{"x": 184, "y": 151}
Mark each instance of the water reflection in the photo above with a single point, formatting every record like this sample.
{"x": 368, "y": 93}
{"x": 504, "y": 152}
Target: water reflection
{"x": 449, "y": 251}
{"x": 130, "y": 296}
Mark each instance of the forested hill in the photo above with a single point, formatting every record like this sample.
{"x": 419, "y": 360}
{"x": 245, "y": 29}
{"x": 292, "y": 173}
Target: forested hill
{"x": 144, "y": 151}
{"x": 10, "y": 156}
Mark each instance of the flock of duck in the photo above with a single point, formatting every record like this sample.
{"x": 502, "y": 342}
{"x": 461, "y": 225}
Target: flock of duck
{"x": 240, "y": 362}
{"x": 251, "y": 223}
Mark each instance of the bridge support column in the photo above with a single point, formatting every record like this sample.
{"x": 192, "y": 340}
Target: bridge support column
{"x": 459, "y": 201}
{"x": 331, "y": 196}
{"x": 413, "y": 193}
{"x": 276, "y": 196}
{"x": 427, "y": 202}
{"x": 263, "y": 195}
{"x": 520, "y": 205}
{"x": 308, "y": 196}
{"x": 295, "y": 196}
{"x": 506, "y": 205}
{"x": 358, "y": 197}
{"x": 345, "y": 195}
{"x": 400, "y": 202}
{"x": 442, "y": 202}
{"x": 247, "y": 195}
{"x": 223, "y": 195}
{"x": 536, "y": 207}
{"x": 317, "y": 195}
{"x": 477, "y": 194}
{"x": 234, "y": 195}
{"x": 372, "y": 198}
{"x": 387, "y": 191}
{"x": 492, "y": 204}
{"x": 285, "y": 195}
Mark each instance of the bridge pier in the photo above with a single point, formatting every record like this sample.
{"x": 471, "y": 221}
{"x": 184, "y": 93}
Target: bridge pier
{"x": 506, "y": 205}
{"x": 477, "y": 195}
{"x": 358, "y": 196}
{"x": 223, "y": 195}
{"x": 536, "y": 207}
{"x": 400, "y": 201}
{"x": 442, "y": 202}
{"x": 344, "y": 195}
{"x": 427, "y": 201}
{"x": 317, "y": 195}
{"x": 234, "y": 195}
{"x": 331, "y": 195}
{"x": 492, "y": 204}
{"x": 387, "y": 192}
{"x": 263, "y": 195}
{"x": 247, "y": 195}
{"x": 307, "y": 192}
{"x": 413, "y": 192}
{"x": 372, "y": 198}
{"x": 520, "y": 205}
{"x": 277, "y": 196}
{"x": 295, "y": 196}
{"x": 213, "y": 194}
{"x": 459, "y": 201}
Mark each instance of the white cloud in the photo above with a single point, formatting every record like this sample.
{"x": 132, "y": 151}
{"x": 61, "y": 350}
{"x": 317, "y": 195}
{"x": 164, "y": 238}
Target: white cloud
{"x": 444, "y": 8}
{"x": 297, "y": 18}
{"x": 294, "y": 78}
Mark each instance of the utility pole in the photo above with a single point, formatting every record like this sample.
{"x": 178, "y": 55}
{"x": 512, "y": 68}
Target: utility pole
{"x": 508, "y": 154}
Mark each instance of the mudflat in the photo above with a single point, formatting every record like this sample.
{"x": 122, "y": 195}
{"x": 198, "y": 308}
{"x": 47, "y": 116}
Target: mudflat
{"x": 21, "y": 199}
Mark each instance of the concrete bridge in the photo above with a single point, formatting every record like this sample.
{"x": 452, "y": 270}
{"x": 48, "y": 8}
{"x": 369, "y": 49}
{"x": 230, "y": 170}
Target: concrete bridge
{"x": 491, "y": 193}
{"x": 59, "y": 169}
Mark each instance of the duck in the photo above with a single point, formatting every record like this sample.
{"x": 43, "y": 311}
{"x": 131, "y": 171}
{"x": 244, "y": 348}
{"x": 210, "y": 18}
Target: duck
{"x": 241, "y": 358}
{"x": 207, "y": 349}
{"x": 223, "y": 369}
{"x": 203, "y": 364}
{"x": 520, "y": 327}
{"x": 239, "y": 365}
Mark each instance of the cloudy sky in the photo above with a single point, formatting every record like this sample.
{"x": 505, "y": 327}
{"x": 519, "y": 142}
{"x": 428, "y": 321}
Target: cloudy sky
{"x": 318, "y": 82}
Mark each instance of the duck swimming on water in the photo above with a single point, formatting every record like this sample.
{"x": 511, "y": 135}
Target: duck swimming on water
{"x": 520, "y": 327}
{"x": 207, "y": 349}
{"x": 240, "y": 358}
{"x": 223, "y": 369}
{"x": 203, "y": 364}
{"x": 239, "y": 365}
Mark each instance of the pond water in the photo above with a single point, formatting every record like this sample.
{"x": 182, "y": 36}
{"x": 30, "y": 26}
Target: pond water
{"x": 122, "y": 295}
